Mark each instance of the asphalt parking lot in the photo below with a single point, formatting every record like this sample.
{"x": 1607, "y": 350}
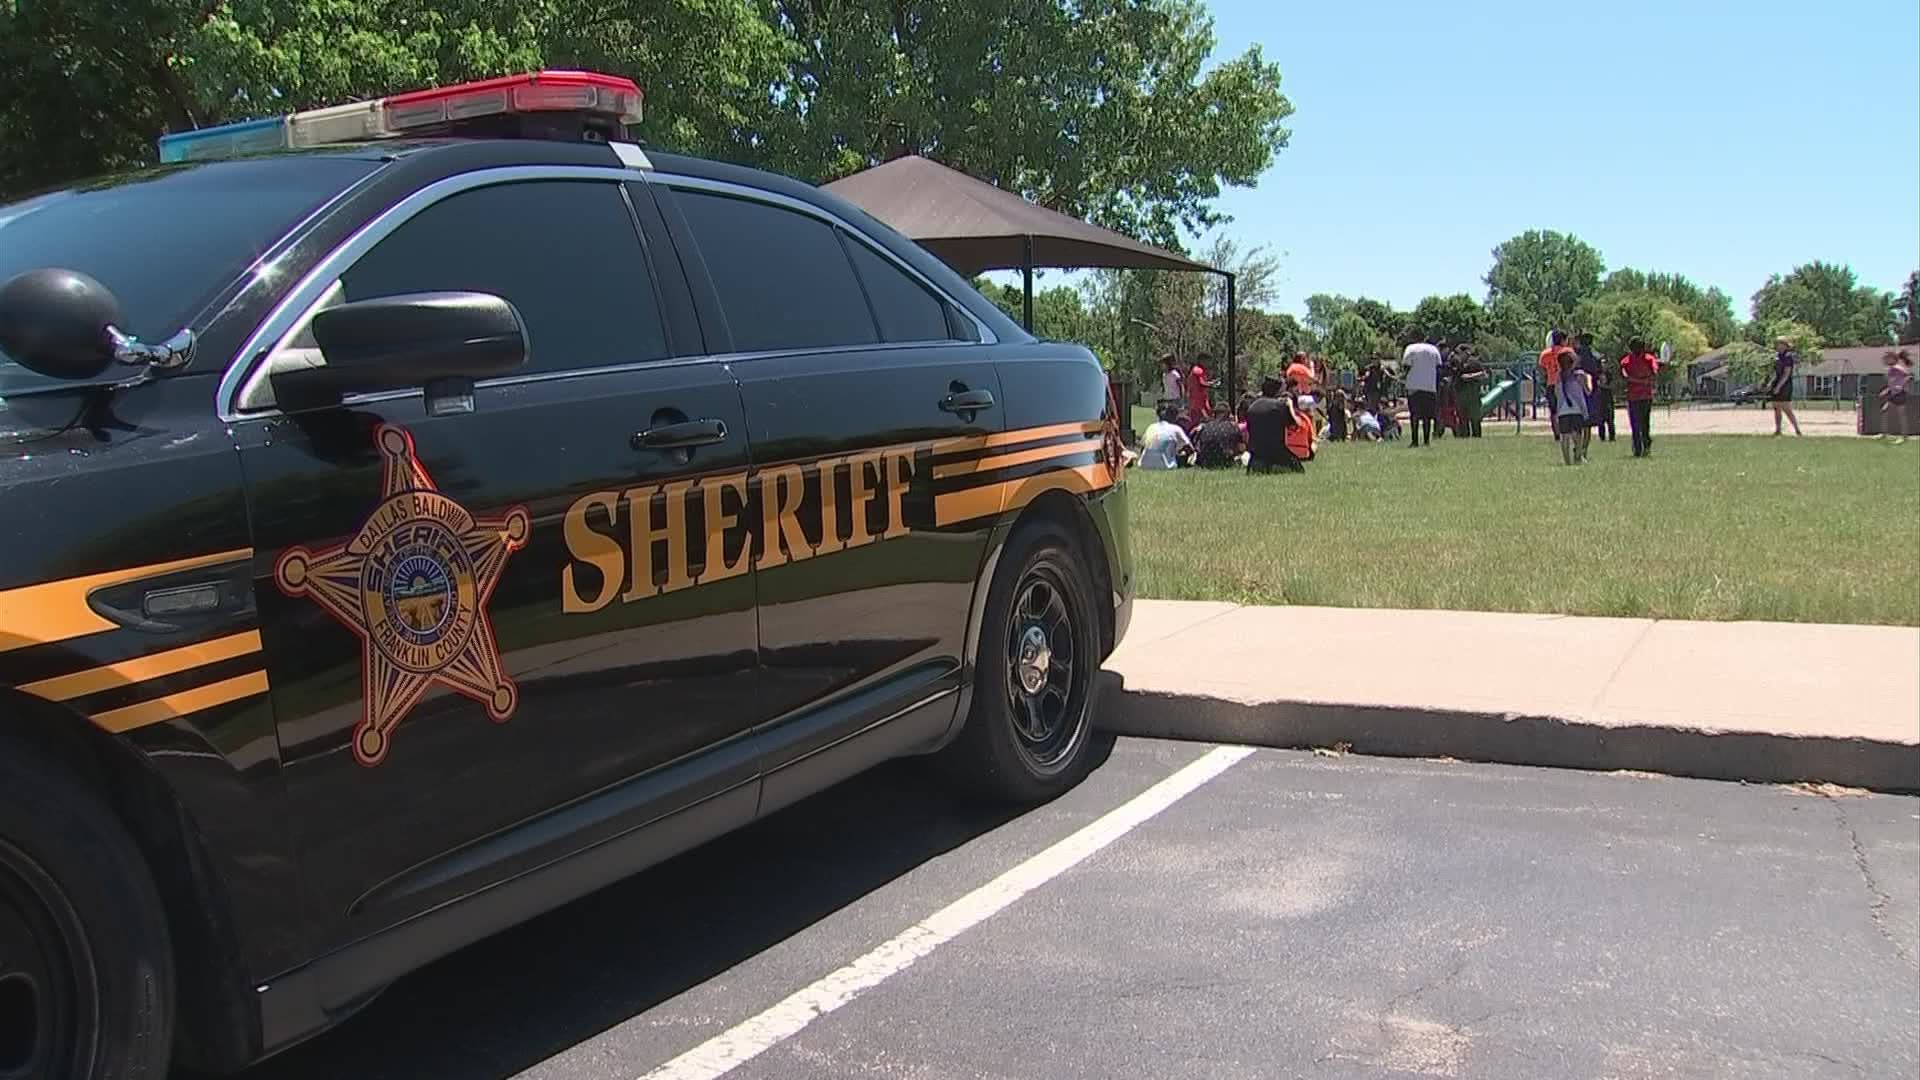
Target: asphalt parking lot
{"x": 1281, "y": 914}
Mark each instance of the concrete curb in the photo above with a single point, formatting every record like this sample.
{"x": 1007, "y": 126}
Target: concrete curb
{"x": 1511, "y": 739}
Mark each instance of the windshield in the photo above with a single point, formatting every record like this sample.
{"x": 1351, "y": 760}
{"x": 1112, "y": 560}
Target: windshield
{"x": 165, "y": 240}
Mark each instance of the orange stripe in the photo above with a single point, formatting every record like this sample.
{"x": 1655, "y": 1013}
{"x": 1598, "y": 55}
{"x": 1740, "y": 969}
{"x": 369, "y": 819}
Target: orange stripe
{"x": 1007, "y": 438}
{"x": 57, "y": 610}
{"x": 993, "y": 499}
{"x": 174, "y": 706}
{"x": 140, "y": 669}
{"x": 1018, "y": 457}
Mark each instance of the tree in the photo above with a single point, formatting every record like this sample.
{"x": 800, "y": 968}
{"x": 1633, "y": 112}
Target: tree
{"x": 1352, "y": 342}
{"x": 1709, "y": 309}
{"x": 1750, "y": 363}
{"x": 1111, "y": 110}
{"x": 1058, "y": 313}
{"x": 1451, "y": 320}
{"x": 1907, "y": 306}
{"x": 1537, "y": 280}
{"x": 1380, "y": 315}
{"x": 92, "y": 84}
{"x": 1829, "y": 299}
{"x": 1325, "y": 309}
{"x": 1616, "y": 318}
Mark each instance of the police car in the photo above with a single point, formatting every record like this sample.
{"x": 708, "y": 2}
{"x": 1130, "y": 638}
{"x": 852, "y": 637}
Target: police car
{"x": 421, "y": 512}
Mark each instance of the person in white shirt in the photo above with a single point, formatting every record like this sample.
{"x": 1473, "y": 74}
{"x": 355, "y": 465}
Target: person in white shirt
{"x": 1163, "y": 445}
{"x": 1172, "y": 386}
{"x": 1422, "y": 361}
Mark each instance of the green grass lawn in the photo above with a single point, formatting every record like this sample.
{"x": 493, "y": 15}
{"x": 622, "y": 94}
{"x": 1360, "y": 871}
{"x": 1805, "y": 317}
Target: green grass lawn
{"x": 1711, "y": 527}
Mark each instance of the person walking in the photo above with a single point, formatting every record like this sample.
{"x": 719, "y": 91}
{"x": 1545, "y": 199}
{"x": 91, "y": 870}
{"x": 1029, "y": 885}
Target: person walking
{"x": 1422, "y": 363}
{"x": 1470, "y": 382}
{"x": 1570, "y": 413}
{"x": 1639, "y": 368}
{"x": 1893, "y": 396}
{"x": 1780, "y": 391}
{"x": 1269, "y": 419}
{"x": 1550, "y": 358}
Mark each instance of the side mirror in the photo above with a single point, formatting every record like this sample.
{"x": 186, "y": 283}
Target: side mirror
{"x": 406, "y": 342}
{"x": 58, "y": 323}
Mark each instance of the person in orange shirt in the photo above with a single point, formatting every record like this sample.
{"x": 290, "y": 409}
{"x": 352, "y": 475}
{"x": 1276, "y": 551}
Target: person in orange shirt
{"x": 1300, "y": 373}
{"x": 1550, "y": 359}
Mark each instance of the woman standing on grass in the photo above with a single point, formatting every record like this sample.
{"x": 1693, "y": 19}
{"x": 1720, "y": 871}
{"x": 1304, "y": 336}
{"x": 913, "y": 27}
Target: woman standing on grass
{"x": 1780, "y": 391}
{"x": 1893, "y": 397}
{"x": 1639, "y": 368}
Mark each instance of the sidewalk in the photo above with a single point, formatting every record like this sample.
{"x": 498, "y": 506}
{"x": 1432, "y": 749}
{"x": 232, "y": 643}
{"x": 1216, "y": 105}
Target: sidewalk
{"x": 1735, "y": 701}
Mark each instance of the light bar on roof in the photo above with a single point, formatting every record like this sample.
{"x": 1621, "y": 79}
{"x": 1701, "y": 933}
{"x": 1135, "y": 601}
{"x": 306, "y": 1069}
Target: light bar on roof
{"x": 419, "y": 111}
{"x": 225, "y": 141}
{"x": 542, "y": 91}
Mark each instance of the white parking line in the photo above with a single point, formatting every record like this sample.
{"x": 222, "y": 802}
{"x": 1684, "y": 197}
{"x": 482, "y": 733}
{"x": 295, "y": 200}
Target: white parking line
{"x": 742, "y": 1043}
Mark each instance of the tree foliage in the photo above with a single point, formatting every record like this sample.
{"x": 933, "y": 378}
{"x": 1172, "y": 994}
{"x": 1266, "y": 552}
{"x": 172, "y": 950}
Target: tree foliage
{"x": 1352, "y": 342}
{"x": 1111, "y": 110}
{"x": 1617, "y": 317}
{"x": 1537, "y": 281}
{"x": 1449, "y": 320}
{"x": 1907, "y": 308}
{"x": 1828, "y": 298}
{"x": 1750, "y": 363}
{"x": 1709, "y": 309}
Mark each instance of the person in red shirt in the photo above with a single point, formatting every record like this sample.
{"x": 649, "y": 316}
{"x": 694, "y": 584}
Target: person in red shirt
{"x": 1550, "y": 359}
{"x": 1199, "y": 387}
{"x": 1640, "y": 367}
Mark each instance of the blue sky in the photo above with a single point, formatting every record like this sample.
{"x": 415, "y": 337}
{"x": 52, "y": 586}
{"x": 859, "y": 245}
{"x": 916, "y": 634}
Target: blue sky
{"x": 1722, "y": 140}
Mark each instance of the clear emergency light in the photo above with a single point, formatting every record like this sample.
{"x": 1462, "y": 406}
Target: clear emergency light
{"x": 444, "y": 110}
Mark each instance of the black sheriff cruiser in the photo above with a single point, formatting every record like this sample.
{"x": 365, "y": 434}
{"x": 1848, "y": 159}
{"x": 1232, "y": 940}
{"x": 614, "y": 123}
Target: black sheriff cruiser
{"x": 422, "y": 512}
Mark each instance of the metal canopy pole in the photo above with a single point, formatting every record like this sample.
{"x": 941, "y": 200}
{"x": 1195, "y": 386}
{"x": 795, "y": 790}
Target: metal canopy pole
{"x": 1026, "y": 272}
{"x": 1233, "y": 345}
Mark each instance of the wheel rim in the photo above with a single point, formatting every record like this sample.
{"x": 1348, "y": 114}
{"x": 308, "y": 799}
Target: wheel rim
{"x": 41, "y": 950}
{"x": 1045, "y": 678}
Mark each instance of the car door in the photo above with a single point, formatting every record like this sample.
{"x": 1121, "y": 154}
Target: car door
{"x": 861, "y": 397}
{"x": 477, "y": 615}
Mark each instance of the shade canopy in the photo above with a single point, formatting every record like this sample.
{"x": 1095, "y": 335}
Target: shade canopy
{"x": 973, "y": 226}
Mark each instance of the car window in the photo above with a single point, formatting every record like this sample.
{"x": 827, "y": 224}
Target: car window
{"x": 563, "y": 252}
{"x": 166, "y": 240}
{"x": 905, "y": 309}
{"x": 784, "y": 280}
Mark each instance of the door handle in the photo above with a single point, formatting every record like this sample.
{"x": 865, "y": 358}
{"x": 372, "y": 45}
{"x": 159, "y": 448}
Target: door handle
{"x": 967, "y": 400}
{"x": 686, "y": 434}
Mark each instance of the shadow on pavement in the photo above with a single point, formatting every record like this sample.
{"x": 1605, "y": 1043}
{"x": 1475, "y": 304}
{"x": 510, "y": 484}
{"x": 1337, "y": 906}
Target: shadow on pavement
{"x": 509, "y": 1002}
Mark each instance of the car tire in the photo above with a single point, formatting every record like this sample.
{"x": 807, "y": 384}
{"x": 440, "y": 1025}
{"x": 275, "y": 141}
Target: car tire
{"x": 86, "y": 967}
{"x": 1029, "y": 730}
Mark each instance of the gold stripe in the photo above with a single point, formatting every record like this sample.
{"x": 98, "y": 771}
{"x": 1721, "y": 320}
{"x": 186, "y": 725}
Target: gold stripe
{"x": 1013, "y": 494}
{"x": 186, "y": 702}
{"x": 57, "y": 610}
{"x": 140, "y": 669}
{"x": 1018, "y": 457}
{"x": 1007, "y": 438}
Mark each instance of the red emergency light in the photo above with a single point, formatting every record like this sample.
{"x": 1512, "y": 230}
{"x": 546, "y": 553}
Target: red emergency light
{"x": 549, "y": 104}
{"x": 542, "y": 91}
